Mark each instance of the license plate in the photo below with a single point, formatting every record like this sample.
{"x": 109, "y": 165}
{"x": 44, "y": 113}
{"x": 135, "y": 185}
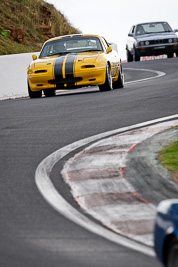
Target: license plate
{"x": 159, "y": 47}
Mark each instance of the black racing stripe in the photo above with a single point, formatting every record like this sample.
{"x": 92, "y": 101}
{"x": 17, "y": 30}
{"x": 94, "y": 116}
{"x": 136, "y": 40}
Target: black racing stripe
{"x": 69, "y": 66}
{"x": 58, "y": 68}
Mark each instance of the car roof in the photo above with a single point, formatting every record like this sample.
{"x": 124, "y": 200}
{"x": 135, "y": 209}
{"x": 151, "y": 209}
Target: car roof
{"x": 152, "y": 22}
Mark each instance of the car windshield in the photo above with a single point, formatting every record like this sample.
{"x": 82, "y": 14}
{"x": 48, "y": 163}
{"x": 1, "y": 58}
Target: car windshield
{"x": 75, "y": 44}
{"x": 156, "y": 27}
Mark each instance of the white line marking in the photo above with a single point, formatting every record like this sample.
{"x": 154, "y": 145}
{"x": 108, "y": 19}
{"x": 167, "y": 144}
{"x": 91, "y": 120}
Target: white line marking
{"x": 52, "y": 196}
{"x": 159, "y": 74}
{"x": 142, "y": 238}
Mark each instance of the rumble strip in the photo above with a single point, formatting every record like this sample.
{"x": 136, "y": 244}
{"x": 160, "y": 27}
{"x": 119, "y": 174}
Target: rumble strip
{"x": 97, "y": 181}
{"x": 118, "y": 187}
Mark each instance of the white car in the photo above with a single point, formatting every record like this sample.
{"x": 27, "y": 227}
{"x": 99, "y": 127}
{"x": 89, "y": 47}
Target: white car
{"x": 151, "y": 39}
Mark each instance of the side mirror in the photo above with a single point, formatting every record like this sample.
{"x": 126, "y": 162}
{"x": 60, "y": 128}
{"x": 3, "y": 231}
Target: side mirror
{"x": 176, "y": 30}
{"x": 130, "y": 34}
{"x": 109, "y": 49}
{"x": 34, "y": 57}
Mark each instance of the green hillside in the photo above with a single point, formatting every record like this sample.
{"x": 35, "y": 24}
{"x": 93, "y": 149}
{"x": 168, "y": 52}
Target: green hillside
{"x": 26, "y": 24}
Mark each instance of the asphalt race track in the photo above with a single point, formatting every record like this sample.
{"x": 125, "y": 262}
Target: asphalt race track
{"x": 32, "y": 233}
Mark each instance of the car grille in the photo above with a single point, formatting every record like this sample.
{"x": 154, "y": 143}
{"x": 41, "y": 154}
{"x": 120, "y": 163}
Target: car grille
{"x": 160, "y": 41}
{"x": 61, "y": 81}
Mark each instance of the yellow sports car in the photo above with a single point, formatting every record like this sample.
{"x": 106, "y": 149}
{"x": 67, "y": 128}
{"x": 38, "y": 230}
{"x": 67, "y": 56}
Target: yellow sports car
{"x": 72, "y": 61}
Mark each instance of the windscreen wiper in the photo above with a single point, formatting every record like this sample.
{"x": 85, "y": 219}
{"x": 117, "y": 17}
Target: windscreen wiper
{"x": 90, "y": 50}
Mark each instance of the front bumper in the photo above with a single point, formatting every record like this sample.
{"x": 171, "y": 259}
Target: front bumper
{"x": 84, "y": 77}
{"x": 154, "y": 50}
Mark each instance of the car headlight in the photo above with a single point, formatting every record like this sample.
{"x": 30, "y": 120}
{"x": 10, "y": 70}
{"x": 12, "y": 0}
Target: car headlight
{"x": 170, "y": 40}
{"x": 175, "y": 40}
{"x": 141, "y": 43}
{"x": 147, "y": 42}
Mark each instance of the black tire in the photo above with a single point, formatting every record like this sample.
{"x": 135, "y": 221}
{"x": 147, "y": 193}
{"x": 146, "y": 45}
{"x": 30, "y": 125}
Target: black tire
{"x": 34, "y": 94}
{"x": 136, "y": 56}
{"x": 172, "y": 258}
{"x": 49, "y": 92}
{"x": 107, "y": 86}
{"x": 170, "y": 55}
{"x": 120, "y": 81}
{"x": 129, "y": 56}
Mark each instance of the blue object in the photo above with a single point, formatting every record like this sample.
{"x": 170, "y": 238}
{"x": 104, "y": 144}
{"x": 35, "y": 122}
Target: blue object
{"x": 166, "y": 232}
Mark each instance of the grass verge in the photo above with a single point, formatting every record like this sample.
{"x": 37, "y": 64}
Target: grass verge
{"x": 169, "y": 159}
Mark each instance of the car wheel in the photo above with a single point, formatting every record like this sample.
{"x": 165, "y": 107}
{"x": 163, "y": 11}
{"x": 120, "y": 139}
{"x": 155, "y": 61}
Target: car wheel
{"x": 107, "y": 86}
{"x": 172, "y": 259}
{"x": 34, "y": 94}
{"x": 170, "y": 55}
{"x": 49, "y": 92}
{"x": 129, "y": 56}
{"x": 136, "y": 56}
{"x": 120, "y": 81}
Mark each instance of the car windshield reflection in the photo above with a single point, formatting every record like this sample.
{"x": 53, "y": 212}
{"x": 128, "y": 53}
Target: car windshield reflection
{"x": 68, "y": 45}
{"x": 153, "y": 28}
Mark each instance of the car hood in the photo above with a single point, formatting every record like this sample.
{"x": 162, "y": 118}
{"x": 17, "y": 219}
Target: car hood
{"x": 147, "y": 37}
{"x": 91, "y": 56}
{"x": 78, "y": 57}
{"x": 64, "y": 64}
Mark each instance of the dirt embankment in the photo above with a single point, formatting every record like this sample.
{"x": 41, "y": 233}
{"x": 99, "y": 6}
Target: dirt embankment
{"x": 26, "y": 24}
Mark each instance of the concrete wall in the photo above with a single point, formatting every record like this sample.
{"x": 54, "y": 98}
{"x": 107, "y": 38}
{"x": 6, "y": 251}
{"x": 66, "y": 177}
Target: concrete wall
{"x": 13, "y": 75}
